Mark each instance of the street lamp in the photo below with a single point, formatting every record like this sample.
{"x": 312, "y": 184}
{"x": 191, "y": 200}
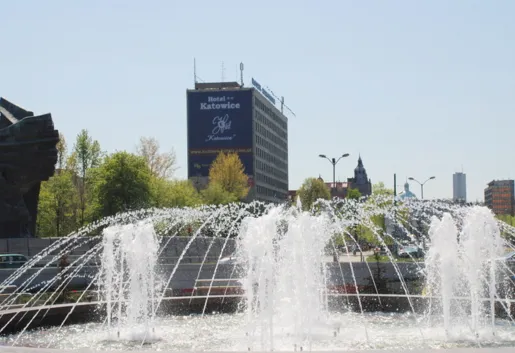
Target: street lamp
{"x": 421, "y": 185}
{"x": 334, "y": 161}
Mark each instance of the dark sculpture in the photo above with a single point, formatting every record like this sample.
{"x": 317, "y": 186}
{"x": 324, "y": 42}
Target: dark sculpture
{"x": 28, "y": 155}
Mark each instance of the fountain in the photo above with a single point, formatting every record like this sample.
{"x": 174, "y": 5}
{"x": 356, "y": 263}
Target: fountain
{"x": 156, "y": 286}
{"x": 463, "y": 267}
{"x": 285, "y": 284}
{"x": 128, "y": 279}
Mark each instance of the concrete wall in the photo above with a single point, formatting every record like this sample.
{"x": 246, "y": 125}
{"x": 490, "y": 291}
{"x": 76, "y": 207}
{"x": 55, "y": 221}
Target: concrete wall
{"x": 184, "y": 278}
{"x": 188, "y": 270}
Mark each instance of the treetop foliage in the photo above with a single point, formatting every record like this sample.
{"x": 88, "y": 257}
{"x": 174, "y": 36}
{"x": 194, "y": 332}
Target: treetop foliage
{"x": 90, "y": 184}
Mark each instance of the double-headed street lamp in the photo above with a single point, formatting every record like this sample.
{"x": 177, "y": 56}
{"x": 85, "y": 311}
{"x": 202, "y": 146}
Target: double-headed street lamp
{"x": 333, "y": 161}
{"x": 421, "y": 185}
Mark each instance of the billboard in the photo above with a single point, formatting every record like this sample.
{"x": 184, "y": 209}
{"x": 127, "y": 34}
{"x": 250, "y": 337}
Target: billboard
{"x": 263, "y": 91}
{"x": 218, "y": 121}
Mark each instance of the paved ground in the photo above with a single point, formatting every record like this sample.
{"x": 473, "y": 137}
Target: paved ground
{"x": 350, "y": 257}
{"x": 453, "y": 350}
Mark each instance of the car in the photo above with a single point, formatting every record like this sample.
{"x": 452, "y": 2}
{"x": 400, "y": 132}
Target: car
{"x": 409, "y": 251}
{"x": 509, "y": 257}
{"x": 12, "y": 260}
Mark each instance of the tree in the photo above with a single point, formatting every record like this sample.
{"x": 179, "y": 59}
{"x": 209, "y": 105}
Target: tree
{"x": 214, "y": 194}
{"x": 311, "y": 190}
{"x": 353, "y": 194}
{"x": 509, "y": 220}
{"x": 161, "y": 165}
{"x": 382, "y": 197}
{"x": 123, "y": 183}
{"x": 87, "y": 155}
{"x": 167, "y": 193}
{"x": 57, "y": 206}
{"x": 227, "y": 172}
{"x": 57, "y": 202}
{"x": 62, "y": 151}
{"x": 381, "y": 190}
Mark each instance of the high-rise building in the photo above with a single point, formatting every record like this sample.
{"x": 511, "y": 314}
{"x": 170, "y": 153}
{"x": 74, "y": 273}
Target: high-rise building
{"x": 227, "y": 117}
{"x": 459, "y": 187}
{"x": 500, "y": 197}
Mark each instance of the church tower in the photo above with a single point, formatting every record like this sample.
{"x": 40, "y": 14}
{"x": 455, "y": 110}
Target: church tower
{"x": 360, "y": 180}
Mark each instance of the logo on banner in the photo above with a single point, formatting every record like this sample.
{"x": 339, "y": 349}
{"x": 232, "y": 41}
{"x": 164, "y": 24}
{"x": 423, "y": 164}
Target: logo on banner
{"x": 221, "y": 125}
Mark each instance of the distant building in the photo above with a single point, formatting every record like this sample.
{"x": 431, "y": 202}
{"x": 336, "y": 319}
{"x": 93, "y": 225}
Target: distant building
{"x": 360, "y": 180}
{"x": 499, "y": 197}
{"x": 459, "y": 187}
{"x": 339, "y": 189}
{"x": 406, "y": 194}
{"x": 227, "y": 117}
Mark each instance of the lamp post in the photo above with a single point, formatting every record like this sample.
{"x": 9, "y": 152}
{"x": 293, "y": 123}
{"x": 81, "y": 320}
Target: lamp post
{"x": 421, "y": 185}
{"x": 334, "y": 162}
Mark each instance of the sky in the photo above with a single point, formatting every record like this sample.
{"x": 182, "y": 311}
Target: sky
{"x": 417, "y": 88}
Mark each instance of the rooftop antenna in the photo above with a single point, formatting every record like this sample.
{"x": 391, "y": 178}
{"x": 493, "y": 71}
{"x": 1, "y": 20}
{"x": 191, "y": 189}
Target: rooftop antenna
{"x": 223, "y": 72}
{"x": 241, "y": 74}
{"x": 194, "y": 71}
{"x": 282, "y": 102}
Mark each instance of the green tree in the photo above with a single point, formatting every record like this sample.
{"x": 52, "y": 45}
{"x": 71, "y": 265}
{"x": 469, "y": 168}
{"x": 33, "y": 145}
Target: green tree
{"x": 57, "y": 200}
{"x": 227, "y": 172}
{"x": 312, "y": 190}
{"x": 215, "y": 194}
{"x": 381, "y": 190}
{"x": 62, "y": 152}
{"x": 177, "y": 193}
{"x": 509, "y": 220}
{"x": 87, "y": 155}
{"x": 353, "y": 194}
{"x": 123, "y": 183}
{"x": 382, "y": 197}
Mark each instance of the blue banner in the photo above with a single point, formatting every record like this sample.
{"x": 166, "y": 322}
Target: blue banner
{"x": 218, "y": 121}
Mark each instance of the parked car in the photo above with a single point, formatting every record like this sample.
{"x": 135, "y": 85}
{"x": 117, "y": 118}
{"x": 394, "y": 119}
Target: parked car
{"x": 510, "y": 257}
{"x": 410, "y": 251}
{"x": 12, "y": 260}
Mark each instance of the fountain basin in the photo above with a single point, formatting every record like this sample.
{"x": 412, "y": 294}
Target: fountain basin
{"x": 227, "y": 332}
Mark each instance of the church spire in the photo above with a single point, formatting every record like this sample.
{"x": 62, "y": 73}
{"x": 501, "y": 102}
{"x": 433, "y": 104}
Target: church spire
{"x": 360, "y": 161}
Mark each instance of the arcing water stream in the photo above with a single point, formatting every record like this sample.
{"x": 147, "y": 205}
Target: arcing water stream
{"x": 294, "y": 299}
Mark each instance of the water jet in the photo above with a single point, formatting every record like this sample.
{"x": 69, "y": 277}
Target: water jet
{"x": 274, "y": 265}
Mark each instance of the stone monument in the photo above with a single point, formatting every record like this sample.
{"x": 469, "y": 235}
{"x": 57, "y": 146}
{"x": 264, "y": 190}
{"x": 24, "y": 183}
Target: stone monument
{"x": 28, "y": 155}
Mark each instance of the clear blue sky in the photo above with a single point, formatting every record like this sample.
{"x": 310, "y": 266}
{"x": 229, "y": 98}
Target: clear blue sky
{"x": 417, "y": 87}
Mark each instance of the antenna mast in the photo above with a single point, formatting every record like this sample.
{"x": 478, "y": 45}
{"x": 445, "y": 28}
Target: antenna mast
{"x": 282, "y": 102}
{"x": 241, "y": 74}
{"x": 194, "y": 71}
{"x": 223, "y": 72}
